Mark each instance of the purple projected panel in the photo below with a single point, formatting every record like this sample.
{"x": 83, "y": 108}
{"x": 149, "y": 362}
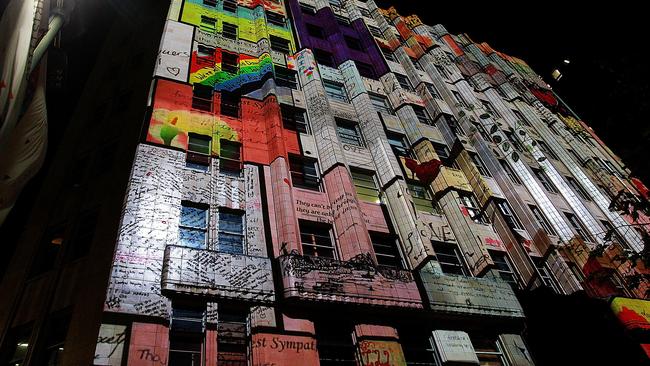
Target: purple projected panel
{"x": 322, "y": 33}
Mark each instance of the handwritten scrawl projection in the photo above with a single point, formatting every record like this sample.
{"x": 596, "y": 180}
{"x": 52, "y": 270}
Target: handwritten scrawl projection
{"x": 381, "y": 353}
{"x": 174, "y": 54}
{"x": 110, "y": 344}
{"x": 225, "y": 275}
{"x": 358, "y": 280}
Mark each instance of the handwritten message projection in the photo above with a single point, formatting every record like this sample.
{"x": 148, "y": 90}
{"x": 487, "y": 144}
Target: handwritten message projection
{"x": 175, "y": 50}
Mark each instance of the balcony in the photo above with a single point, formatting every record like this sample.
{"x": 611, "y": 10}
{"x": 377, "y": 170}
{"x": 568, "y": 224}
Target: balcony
{"x": 470, "y": 295}
{"x": 357, "y": 281}
{"x": 218, "y": 275}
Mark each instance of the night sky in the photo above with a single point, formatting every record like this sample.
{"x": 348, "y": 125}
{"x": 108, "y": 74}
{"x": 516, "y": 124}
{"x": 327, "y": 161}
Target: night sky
{"x": 607, "y": 82}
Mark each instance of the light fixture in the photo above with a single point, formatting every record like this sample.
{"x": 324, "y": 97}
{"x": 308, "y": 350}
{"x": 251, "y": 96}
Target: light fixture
{"x": 567, "y": 61}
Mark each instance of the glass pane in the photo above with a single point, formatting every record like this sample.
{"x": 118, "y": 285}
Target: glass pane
{"x": 231, "y": 222}
{"x": 192, "y": 238}
{"x": 231, "y": 243}
{"x": 193, "y": 217}
{"x": 199, "y": 144}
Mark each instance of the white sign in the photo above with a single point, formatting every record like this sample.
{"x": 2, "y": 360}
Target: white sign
{"x": 454, "y": 346}
{"x": 175, "y": 51}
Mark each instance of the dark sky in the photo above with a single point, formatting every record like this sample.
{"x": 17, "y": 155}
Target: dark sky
{"x": 607, "y": 82}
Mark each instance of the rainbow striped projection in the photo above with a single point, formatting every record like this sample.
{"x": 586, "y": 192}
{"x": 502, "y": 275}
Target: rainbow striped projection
{"x": 252, "y": 72}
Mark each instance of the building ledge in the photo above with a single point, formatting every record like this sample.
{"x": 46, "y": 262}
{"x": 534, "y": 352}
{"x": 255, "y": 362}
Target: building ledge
{"x": 217, "y": 275}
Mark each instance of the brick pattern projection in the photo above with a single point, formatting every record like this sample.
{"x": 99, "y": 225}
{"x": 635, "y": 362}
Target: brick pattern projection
{"x": 287, "y": 234}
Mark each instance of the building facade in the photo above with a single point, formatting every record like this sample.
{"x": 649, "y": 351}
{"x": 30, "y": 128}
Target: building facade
{"x": 330, "y": 183}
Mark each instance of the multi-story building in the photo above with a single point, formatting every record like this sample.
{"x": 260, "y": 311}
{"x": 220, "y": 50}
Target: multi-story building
{"x": 332, "y": 183}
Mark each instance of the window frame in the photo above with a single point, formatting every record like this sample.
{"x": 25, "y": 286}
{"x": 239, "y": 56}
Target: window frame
{"x": 186, "y": 227}
{"x": 221, "y": 233}
{"x": 231, "y": 165}
{"x": 317, "y": 230}
{"x": 303, "y": 179}
{"x": 448, "y": 251}
{"x": 349, "y": 132}
{"x": 470, "y": 203}
{"x": 364, "y": 180}
{"x": 541, "y": 219}
{"x": 198, "y": 159}
{"x": 545, "y": 181}
{"x": 499, "y": 266}
{"x": 381, "y": 103}
{"x": 280, "y": 44}
{"x": 335, "y": 91}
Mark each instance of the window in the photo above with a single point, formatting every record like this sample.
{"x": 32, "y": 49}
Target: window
{"x": 449, "y": 258}
{"x": 380, "y": 103}
{"x": 547, "y": 150}
{"x": 488, "y": 352}
{"x": 230, "y": 104}
{"x": 316, "y": 239}
{"x": 575, "y": 156}
{"x": 503, "y": 267}
{"x": 50, "y": 347}
{"x": 231, "y": 231}
{"x": 480, "y": 165}
{"x": 84, "y": 235}
{"x": 198, "y": 152}
{"x": 488, "y": 107}
{"x": 230, "y": 5}
{"x": 404, "y": 82}
{"x": 553, "y": 128}
{"x": 335, "y": 3}
{"x": 433, "y": 91}
{"x": 578, "y": 227}
{"x": 229, "y": 30}
{"x": 545, "y": 274}
{"x": 293, "y": 118}
{"x": 365, "y": 12}
{"x": 366, "y": 186}
{"x": 511, "y": 173}
{"x": 342, "y": 20}
{"x": 232, "y": 342}
{"x": 46, "y": 257}
{"x": 335, "y": 91}
{"x": 208, "y": 24}
{"x": 229, "y": 62}
{"x": 304, "y": 173}
{"x": 279, "y": 44}
{"x": 186, "y": 333}
{"x": 353, "y": 43}
{"x": 422, "y": 115}
{"x": 615, "y": 237}
{"x": 335, "y": 344}
{"x": 16, "y": 344}
{"x": 375, "y": 31}
{"x": 442, "y": 71}
{"x": 471, "y": 206}
{"x": 349, "y": 132}
{"x": 212, "y": 3}
{"x": 385, "y": 246}
{"x": 205, "y": 55}
{"x": 577, "y": 188}
{"x": 323, "y": 57}
{"x": 230, "y": 158}
{"x": 275, "y": 19}
{"x": 202, "y": 97}
{"x": 388, "y": 54}
{"x": 543, "y": 179}
{"x": 541, "y": 220}
{"x": 482, "y": 131}
{"x": 455, "y": 126}
{"x": 509, "y": 215}
{"x": 193, "y": 228}
{"x": 365, "y": 70}
{"x": 416, "y": 64}
{"x": 397, "y": 142}
{"x": 422, "y": 199}
{"x": 307, "y": 9}
{"x": 285, "y": 77}
{"x": 459, "y": 99}
{"x": 501, "y": 93}
{"x": 515, "y": 143}
{"x": 443, "y": 155}
{"x": 521, "y": 117}
{"x": 315, "y": 31}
